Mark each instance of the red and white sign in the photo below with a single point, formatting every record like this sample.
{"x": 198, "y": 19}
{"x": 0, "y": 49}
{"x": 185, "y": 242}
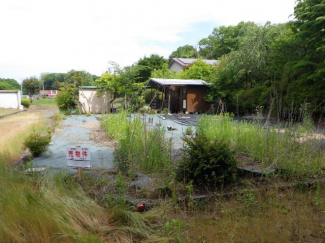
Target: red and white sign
{"x": 78, "y": 156}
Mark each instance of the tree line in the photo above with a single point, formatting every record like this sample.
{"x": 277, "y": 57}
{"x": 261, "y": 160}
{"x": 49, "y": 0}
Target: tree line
{"x": 280, "y": 67}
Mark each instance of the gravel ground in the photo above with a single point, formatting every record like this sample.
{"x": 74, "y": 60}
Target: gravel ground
{"x": 77, "y": 130}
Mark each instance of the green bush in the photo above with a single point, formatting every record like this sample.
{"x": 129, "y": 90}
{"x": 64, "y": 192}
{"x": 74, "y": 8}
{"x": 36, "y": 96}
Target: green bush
{"x": 65, "y": 101}
{"x": 25, "y": 102}
{"x": 206, "y": 162}
{"x": 37, "y": 143}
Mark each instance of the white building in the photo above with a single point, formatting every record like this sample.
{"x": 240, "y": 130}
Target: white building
{"x": 89, "y": 100}
{"x": 10, "y": 99}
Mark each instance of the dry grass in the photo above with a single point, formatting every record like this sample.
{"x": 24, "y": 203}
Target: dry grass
{"x": 14, "y": 129}
{"x": 4, "y": 111}
{"x": 269, "y": 216}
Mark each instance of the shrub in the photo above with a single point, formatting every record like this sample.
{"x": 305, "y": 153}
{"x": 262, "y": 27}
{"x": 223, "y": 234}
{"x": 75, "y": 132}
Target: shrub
{"x": 65, "y": 101}
{"x": 25, "y": 102}
{"x": 37, "y": 143}
{"x": 189, "y": 131}
{"x": 206, "y": 162}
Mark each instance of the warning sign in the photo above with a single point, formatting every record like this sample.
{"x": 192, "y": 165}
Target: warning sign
{"x": 78, "y": 156}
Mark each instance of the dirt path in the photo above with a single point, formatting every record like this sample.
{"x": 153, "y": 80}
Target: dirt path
{"x": 78, "y": 130}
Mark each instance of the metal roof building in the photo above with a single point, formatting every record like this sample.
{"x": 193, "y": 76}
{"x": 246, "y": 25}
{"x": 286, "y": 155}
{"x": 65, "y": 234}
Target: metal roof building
{"x": 179, "y": 95}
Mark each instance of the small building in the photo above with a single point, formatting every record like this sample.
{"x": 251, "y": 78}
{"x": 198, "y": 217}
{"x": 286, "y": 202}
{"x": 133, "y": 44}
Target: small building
{"x": 49, "y": 93}
{"x": 90, "y": 100}
{"x": 178, "y": 64}
{"x": 10, "y": 99}
{"x": 179, "y": 95}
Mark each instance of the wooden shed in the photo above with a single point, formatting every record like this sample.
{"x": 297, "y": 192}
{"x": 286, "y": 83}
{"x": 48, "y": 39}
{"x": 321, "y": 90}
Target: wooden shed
{"x": 179, "y": 95}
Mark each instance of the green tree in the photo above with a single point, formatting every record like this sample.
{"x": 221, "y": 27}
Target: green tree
{"x": 147, "y": 65}
{"x": 111, "y": 83}
{"x": 186, "y": 51}
{"x": 223, "y": 40}
{"x": 32, "y": 85}
{"x": 79, "y": 78}
{"x": 164, "y": 72}
{"x": 199, "y": 70}
{"x": 52, "y": 81}
{"x": 9, "y": 84}
{"x": 67, "y": 99}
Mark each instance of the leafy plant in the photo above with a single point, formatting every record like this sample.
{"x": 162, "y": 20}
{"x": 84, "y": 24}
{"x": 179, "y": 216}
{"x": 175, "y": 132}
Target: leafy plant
{"x": 25, "y": 102}
{"x": 206, "y": 162}
{"x": 165, "y": 111}
{"x": 188, "y": 131}
{"x": 37, "y": 143}
{"x": 65, "y": 101}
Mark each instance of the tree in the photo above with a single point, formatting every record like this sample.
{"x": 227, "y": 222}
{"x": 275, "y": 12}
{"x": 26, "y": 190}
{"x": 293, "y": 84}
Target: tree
{"x": 52, "y": 81}
{"x": 186, "y": 51}
{"x": 223, "y": 40}
{"x": 32, "y": 85}
{"x": 9, "y": 84}
{"x": 111, "y": 83}
{"x": 147, "y": 65}
{"x": 79, "y": 78}
{"x": 198, "y": 70}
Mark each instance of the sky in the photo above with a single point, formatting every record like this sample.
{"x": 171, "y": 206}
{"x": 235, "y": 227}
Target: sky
{"x": 38, "y": 36}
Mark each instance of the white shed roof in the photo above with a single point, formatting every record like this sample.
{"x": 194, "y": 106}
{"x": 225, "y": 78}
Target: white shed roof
{"x": 178, "y": 81}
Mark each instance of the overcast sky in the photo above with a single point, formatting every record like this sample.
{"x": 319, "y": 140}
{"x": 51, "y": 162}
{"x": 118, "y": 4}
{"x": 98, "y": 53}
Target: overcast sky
{"x": 59, "y": 35}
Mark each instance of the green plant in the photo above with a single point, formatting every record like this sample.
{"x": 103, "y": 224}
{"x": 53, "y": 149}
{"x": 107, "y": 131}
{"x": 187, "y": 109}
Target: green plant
{"x": 248, "y": 198}
{"x": 66, "y": 101}
{"x": 88, "y": 113}
{"x": 206, "y": 162}
{"x": 189, "y": 131}
{"x": 152, "y": 111}
{"x": 165, "y": 111}
{"x": 25, "y": 102}
{"x": 174, "y": 228}
{"x": 37, "y": 143}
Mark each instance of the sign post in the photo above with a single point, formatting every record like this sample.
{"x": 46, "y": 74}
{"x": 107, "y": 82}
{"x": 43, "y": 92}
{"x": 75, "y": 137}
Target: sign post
{"x": 78, "y": 157}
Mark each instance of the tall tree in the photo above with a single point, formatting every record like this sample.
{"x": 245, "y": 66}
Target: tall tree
{"x": 32, "y": 85}
{"x": 9, "y": 84}
{"x": 186, "y": 51}
{"x": 146, "y": 65}
{"x": 79, "y": 78}
{"x": 223, "y": 40}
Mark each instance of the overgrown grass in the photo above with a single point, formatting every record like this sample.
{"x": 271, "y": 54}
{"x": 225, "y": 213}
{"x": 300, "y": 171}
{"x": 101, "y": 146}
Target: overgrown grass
{"x": 291, "y": 215}
{"x": 14, "y": 130}
{"x": 55, "y": 209}
{"x": 44, "y": 101}
{"x": 139, "y": 146}
{"x": 4, "y": 111}
{"x": 292, "y": 149}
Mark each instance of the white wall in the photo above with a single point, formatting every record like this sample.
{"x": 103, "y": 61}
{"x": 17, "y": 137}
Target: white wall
{"x": 10, "y": 99}
{"x": 90, "y": 102}
{"x": 176, "y": 67}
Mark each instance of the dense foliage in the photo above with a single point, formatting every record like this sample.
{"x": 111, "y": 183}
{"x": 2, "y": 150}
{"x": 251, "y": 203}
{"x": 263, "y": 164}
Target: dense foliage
{"x": 37, "y": 143}
{"x": 31, "y": 85}
{"x": 25, "y": 102}
{"x": 9, "y": 84}
{"x": 279, "y": 67}
{"x": 206, "y": 162}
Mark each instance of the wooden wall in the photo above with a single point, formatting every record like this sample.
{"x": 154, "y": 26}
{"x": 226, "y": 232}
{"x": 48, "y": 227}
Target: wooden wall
{"x": 195, "y": 99}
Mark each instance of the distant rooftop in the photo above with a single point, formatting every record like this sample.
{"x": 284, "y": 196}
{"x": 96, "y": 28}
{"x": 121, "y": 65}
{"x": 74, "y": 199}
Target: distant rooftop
{"x": 188, "y": 61}
{"x": 176, "y": 82}
{"x": 88, "y": 87}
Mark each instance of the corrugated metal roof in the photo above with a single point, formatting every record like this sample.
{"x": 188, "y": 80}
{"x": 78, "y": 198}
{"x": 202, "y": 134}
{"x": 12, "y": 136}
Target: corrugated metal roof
{"x": 179, "y": 81}
{"x": 88, "y": 87}
{"x": 187, "y": 61}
